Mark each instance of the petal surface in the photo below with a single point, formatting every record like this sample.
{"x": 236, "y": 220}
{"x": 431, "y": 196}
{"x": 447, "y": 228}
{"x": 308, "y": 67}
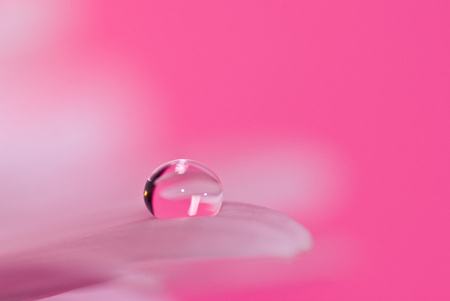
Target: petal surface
{"x": 238, "y": 231}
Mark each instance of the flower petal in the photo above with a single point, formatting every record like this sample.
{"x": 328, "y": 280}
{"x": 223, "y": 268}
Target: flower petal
{"x": 238, "y": 231}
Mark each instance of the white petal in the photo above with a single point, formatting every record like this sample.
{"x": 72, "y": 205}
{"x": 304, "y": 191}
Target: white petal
{"x": 238, "y": 231}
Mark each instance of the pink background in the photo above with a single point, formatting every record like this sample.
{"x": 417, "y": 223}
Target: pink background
{"x": 335, "y": 113}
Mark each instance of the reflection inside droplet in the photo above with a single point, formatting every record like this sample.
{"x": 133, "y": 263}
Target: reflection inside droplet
{"x": 183, "y": 188}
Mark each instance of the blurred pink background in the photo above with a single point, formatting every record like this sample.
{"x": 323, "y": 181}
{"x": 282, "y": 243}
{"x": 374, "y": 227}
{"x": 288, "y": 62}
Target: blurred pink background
{"x": 334, "y": 113}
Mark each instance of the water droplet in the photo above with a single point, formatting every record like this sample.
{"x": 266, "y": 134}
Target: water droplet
{"x": 183, "y": 188}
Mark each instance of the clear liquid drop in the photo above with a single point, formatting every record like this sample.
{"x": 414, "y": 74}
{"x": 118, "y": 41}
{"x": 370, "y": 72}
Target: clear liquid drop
{"x": 183, "y": 188}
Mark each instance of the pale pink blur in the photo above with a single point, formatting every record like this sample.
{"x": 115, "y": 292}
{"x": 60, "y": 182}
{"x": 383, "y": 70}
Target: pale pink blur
{"x": 334, "y": 113}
